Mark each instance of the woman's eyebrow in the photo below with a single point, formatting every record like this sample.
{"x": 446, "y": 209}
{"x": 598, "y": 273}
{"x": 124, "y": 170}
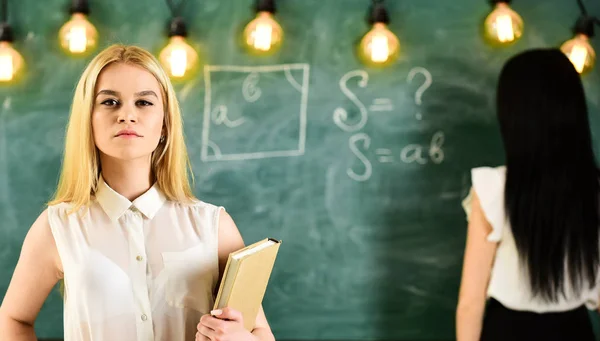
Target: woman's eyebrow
{"x": 146, "y": 93}
{"x": 116, "y": 93}
{"x": 107, "y": 92}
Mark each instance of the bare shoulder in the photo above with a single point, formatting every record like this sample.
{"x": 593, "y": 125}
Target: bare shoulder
{"x": 40, "y": 241}
{"x": 40, "y": 233}
{"x": 37, "y": 271}
{"x": 230, "y": 238}
{"x": 478, "y": 220}
{"x": 41, "y": 224}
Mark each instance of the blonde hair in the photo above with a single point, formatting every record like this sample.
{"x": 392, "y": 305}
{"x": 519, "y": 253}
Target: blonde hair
{"x": 81, "y": 161}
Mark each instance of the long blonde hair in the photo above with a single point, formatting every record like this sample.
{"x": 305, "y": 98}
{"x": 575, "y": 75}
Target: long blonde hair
{"x": 81, "y": 161}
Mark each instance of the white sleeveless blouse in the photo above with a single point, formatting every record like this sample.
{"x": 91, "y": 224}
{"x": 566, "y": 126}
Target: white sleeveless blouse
{"x": 141, "y": 270}
{"x": 509, "y": 279}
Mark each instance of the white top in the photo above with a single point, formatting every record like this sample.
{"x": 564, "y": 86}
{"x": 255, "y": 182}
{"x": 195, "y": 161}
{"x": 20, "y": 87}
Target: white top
{"x": 509, "y": 281}
{"x": 141, "y": 270}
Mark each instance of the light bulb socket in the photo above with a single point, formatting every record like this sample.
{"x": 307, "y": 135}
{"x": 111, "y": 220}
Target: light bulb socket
{"x": 495, "y": 2}
{"x": 177, "y": 27}
{"x": 265, "y": 6}
{"x": 80, "y": 6}
{"x": 378, "y": 13}
{"x": 584, "y": 25}
{"x": 6, "y": 33}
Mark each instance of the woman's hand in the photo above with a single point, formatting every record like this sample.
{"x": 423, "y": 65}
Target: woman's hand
{"x": 223, "y": 325}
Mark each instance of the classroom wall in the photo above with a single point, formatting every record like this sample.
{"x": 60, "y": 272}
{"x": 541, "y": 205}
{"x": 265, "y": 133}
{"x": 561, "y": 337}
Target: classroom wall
{"x": 359, "y": 171}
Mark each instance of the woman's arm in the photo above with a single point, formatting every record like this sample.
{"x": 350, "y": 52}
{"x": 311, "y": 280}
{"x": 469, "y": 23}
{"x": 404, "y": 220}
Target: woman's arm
{"x": 478, "y": 261}
{"x": 38, "y": 270}
{"x": 230, "y": 240}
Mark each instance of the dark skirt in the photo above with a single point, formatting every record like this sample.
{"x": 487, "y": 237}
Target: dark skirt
{"x": 503, "y": 324}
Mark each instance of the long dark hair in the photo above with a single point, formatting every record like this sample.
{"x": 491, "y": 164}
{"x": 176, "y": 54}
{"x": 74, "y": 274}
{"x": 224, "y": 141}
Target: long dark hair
{"x": 551, "y": 192}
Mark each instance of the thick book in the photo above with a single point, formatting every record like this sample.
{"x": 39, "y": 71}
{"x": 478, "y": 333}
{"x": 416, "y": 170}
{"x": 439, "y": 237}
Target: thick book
{"x": 245, "y": 279}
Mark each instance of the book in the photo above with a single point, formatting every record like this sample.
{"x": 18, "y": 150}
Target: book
{"x": 245, "y": 279}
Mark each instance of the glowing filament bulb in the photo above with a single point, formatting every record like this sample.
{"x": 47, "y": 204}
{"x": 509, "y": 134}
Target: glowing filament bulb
{"x": 78, "y": 35}
{"x": 178, "y": 57}
{"x": 503, "y": 25}
{"x": 11, "y": 62}
{"x": 263, "y": 34}
{"x": 379, "y": 46}
{"x": 580, "y": 53}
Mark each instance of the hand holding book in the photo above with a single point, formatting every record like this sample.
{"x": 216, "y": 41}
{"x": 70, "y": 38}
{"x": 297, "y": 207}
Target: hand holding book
{"x": 245, "y": 279}
{"x": 223, "y": 324}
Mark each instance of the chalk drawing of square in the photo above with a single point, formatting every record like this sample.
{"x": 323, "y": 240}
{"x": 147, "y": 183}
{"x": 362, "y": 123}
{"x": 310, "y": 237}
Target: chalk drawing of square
{"x": 254, "y": 112}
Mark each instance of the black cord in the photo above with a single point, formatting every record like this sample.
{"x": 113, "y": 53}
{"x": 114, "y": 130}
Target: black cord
{"x": 585, "y": 23}
{"x": 175, "y": 9}
{"x": 265, "y": 6}
{"x": 177, "y": 25}
{"x": 581, "y": 7}
{"x": 6, "y": 33}
{"x": 171, "y": 7}
{"x": 80, "y": 6}
{"x": 378, "y": 13}
{"x": 4, "y": 11}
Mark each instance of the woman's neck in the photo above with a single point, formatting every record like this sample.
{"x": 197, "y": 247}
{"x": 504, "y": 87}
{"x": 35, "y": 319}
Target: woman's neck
{"x": 130, "y": 178}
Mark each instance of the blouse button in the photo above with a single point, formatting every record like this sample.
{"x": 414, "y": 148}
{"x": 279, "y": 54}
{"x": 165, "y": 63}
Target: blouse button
{"x": 144, "y": 317}
{"x": 139, "y": 258}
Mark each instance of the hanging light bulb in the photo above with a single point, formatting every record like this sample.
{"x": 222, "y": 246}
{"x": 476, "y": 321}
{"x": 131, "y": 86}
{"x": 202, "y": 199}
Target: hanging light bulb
{"x": 503, "y": 26}
{"x": 178, "y": 57}
{"x": 78, "y": 36}
{"x": 578, "y": 49}
{"x": 379, "y": 46}
{"x": 263, "y": 34}
{"x": 11, "y": 61}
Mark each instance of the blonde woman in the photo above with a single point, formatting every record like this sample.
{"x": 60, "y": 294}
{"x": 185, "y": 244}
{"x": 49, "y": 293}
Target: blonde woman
{"x": 139, "y": 255}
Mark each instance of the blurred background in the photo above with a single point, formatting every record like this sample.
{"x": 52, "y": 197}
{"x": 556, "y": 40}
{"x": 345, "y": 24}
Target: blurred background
{"x": 345, "y": 128}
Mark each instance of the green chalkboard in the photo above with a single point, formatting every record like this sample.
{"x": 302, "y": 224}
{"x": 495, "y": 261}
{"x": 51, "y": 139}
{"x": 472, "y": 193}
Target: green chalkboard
{"x": 359, "y": 171}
